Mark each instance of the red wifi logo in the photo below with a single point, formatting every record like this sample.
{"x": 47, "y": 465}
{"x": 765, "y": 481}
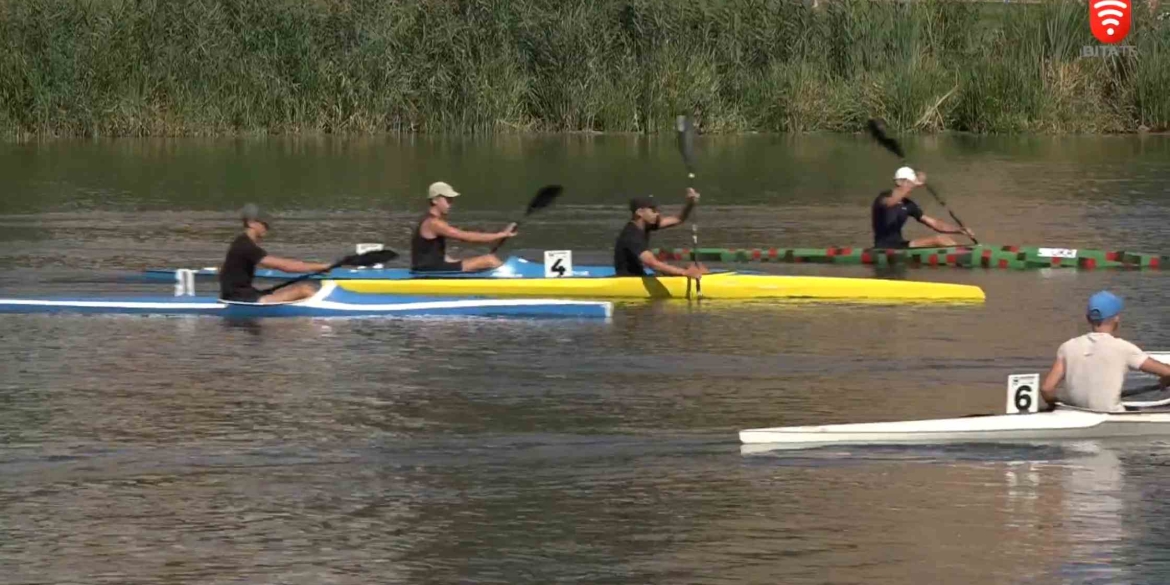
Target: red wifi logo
{"x": 1109, "y": 20}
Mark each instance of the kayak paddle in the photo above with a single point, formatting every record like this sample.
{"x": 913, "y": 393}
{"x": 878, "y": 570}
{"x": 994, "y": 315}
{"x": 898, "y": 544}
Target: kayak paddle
{"x": 544, "y": 198}
{"x": 686, "y": 147}
{"x": 686, "y": 144}
{"x": 1126, "y": 393}
{"x": 367, "y": 259}
{"x": 877, "y": 129}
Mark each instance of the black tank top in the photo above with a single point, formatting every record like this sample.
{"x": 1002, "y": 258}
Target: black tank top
{"x": 427, "y": 254}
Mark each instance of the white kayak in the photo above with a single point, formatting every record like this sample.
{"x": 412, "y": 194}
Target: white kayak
{"x": 1023, "y": 423}
{"x": 1062, "y": 423}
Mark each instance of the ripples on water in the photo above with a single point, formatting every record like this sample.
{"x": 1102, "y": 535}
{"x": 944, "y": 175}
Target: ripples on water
{"x": 184, "y": 450}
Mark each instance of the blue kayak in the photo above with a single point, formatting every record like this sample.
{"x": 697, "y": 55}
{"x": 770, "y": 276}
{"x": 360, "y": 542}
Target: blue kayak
{"x": 513, "y": 267}
{"x": 330, "y": 301}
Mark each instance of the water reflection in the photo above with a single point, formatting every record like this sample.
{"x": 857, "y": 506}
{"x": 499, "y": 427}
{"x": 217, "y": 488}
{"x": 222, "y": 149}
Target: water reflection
{"x": 1068, "y": 511}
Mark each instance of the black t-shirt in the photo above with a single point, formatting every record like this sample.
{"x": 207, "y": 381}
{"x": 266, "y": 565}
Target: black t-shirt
{"x": 239, "y": 267}
{"x": 888, "y": 221}
{"x": 630, "y": 244}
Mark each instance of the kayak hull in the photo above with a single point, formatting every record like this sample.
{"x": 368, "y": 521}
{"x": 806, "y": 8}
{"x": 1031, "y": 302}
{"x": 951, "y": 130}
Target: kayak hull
{"x": 978, "y": 256}
{"x": 1060, "y": 424}
{"x": 330, "y": 301}
{"x": 729, "y": 285}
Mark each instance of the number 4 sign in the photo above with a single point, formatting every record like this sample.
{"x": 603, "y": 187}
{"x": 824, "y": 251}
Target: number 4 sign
{"x": 558, "y": 263}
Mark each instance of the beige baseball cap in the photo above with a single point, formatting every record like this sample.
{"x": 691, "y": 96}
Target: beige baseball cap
{"x": 441, "y": 189}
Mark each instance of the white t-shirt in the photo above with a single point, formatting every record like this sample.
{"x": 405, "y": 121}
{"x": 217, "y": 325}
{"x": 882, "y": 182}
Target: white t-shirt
{"x": 1095, "y": 365}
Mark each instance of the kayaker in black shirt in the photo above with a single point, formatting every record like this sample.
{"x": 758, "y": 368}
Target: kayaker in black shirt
{"x": 428, "y": 242}
{"x": 245, "y": 253}
{"x": 631, "y": 252}
{"x": 891, "y": 209}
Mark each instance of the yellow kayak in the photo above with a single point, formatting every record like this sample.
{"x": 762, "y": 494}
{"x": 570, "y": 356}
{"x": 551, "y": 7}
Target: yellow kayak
{"x": 722, "y": 285}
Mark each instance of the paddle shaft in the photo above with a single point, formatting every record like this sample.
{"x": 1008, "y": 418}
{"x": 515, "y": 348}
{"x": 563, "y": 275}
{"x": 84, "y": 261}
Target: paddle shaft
{"x": 1141, "y": 390}
{"x": 367, "y": 259}
{"x": 543, "y": 198}
{"x": 694, "y": 261}
{"x": 500, "y": 242}
{"x": 300, "y": 278}
{"x": 686, "y": 150}
{"x": 958, "y": 221}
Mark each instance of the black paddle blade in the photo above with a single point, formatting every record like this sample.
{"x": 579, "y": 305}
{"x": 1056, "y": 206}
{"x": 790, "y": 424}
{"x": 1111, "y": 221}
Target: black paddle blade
{"x": 877, "y": 129}
{"x": 369, "y": 258}
{"x": 544, "y": 198}
{"x": 686, "y": 142}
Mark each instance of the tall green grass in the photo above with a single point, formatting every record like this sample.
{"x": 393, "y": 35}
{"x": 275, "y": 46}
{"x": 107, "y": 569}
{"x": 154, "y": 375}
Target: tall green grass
{"x": 167, "y": 67}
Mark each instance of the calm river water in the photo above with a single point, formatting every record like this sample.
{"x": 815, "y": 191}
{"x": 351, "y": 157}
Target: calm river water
{"x": 192, "y": 450}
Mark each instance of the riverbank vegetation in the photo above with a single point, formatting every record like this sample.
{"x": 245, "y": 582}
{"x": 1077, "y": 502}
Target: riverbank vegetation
{"x": 204, "y": 67}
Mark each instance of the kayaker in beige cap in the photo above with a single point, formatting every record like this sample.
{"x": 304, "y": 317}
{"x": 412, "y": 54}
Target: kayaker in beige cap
{"x": 428, "y": 243}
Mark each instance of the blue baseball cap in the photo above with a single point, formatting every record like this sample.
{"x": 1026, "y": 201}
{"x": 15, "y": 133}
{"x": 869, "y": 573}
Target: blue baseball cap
{"x": 1104, "y": 305}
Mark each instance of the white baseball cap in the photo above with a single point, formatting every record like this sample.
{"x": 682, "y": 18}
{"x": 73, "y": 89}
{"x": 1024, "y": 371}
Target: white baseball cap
{"x": 905, "y": 173}
{"x": 441, "y": 189}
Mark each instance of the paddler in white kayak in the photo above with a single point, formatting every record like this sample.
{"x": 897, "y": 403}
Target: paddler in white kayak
{"x": 631, "y": 252}
{"x": 245, "y": 253}
{"x": 428, "y": 243}
{"x": 1093, "y": 366}
{"x": 892, "y": 208}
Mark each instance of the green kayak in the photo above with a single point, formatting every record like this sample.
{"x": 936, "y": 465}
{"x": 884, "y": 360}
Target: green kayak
{"x": 979, "y": 256}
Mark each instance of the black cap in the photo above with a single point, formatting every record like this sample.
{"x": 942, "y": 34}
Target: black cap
{"x": 643, "y": 202}
{"x": 251, "y": 212}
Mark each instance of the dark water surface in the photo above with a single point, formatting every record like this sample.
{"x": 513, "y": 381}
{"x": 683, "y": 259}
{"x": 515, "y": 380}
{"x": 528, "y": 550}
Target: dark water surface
{"x": 193, "y": 450}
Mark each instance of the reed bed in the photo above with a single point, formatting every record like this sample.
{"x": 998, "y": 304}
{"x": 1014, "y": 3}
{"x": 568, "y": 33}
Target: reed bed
{"x": 208, "y": 67}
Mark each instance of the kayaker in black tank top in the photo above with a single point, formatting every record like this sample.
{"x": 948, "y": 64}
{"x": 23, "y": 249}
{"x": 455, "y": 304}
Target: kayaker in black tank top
{"x": 631, "y": 251}
{"x": 891, "y": 209}
{"x": 245, "y": 254}
{"x": 428, "y": 241}
{"x": 430, "y": 254}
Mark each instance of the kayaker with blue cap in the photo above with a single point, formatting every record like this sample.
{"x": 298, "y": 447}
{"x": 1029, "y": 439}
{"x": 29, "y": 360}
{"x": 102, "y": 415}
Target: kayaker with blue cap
{"x": 631, "y": 252}
{"x": 245, "y": 253}
{"x": 892, "y": 208}
{"x": 1093, "y": 366}
{"x": 428, "y": 242}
